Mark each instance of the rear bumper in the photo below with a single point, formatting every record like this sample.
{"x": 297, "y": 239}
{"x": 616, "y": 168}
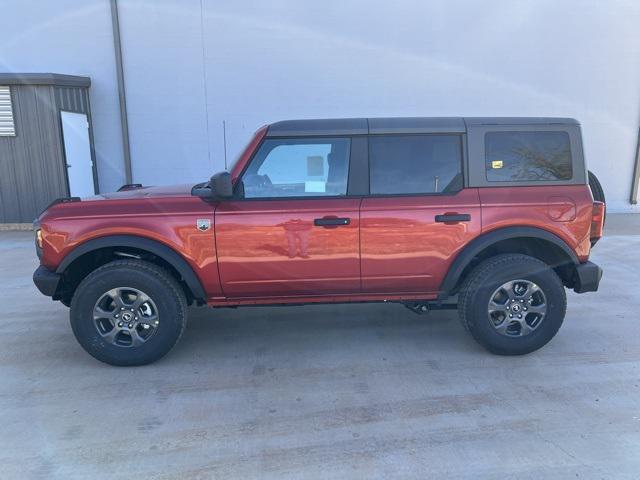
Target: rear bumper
{"x": 46, "y": 281}
{"x": 587, "y": 277}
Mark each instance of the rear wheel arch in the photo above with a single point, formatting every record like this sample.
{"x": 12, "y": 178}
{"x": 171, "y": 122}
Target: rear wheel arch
{"x": 94, "y": 253}
{"x": 532, "y": 241}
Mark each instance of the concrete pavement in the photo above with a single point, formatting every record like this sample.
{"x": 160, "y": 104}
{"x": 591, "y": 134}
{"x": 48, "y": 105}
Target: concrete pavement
{"x": 332, "y": 392}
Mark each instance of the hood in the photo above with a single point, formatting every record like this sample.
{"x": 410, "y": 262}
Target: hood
{"x": 157, "y": 199}
{"x": 183, "y": 190}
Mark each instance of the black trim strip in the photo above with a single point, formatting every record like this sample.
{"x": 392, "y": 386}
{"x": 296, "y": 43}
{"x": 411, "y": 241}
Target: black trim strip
{"x": 151, "y": 246}
{"x": 477, "y": 245}
{"x": 129, "y": 186}
{"x": 358, "y": 180}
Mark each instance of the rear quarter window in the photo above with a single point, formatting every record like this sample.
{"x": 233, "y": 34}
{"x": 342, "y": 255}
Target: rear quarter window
{"x": 527, "y": 156}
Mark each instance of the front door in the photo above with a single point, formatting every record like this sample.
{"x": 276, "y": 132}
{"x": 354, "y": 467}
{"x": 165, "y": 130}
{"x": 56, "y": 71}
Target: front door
{"x": 294, "y": 231}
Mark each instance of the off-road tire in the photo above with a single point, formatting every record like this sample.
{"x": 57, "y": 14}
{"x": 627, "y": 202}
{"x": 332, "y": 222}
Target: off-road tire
{"x": 149, "y": 278}
{"x": 482, "y": 282}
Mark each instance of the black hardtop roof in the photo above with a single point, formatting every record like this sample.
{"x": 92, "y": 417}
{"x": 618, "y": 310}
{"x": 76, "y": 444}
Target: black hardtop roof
{"x": 363, "y": 126}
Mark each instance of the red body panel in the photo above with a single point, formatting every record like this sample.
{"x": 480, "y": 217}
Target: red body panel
{"x": 562, "y": 210}
{"x": 272, "y": 248}
{"x": 168, "y": 219}
{"x": 404, "y": 250}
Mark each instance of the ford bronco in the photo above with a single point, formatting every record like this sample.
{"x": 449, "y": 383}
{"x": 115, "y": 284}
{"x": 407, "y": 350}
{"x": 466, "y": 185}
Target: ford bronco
{"x": 492, "y": 216}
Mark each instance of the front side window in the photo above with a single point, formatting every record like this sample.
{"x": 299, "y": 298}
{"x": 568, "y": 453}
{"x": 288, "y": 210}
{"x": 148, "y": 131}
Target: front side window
{"x": 415, "y": 164}
{"x": 527, "y": 156}
{"x": 298, "y": 168}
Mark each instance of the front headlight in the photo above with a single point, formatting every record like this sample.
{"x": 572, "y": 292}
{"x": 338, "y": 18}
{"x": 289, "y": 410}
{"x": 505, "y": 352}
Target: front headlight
{"x": 39, "y": 238}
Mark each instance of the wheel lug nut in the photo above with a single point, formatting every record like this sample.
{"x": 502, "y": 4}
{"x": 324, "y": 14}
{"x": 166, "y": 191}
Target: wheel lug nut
{"x": 130, "y": 325}
{"x": 121, "y": 308}
{"x": 510, "y": 315}
{"x": 116, "y": 315}
{"x": 521, "y": 300}
{"x": 519, "y": 316}
{"x": 156, "y": 322}
{"x": 525, "y": 309}
{"x": 120, "y": 324}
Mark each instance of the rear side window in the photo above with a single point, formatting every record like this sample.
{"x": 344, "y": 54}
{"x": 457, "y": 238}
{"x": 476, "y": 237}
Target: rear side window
{"x": 527, "y": 156}
{"x": 415, "y": 164}
{"x": 298, "y": 168}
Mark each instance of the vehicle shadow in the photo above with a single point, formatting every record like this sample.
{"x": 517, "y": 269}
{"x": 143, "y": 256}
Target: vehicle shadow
{"x": 319, "y": 330}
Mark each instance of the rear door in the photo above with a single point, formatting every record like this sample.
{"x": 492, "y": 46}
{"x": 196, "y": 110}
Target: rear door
{"x": 418, "y": 215}
{"x": 295, "y": 231}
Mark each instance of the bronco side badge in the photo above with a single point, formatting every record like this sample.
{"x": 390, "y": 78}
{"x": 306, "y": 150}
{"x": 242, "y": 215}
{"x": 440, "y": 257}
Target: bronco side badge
{"x": 203, "y": 224}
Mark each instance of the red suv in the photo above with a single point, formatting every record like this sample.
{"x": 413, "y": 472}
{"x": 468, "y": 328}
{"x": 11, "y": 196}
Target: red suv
{"x": 494, "y": 215}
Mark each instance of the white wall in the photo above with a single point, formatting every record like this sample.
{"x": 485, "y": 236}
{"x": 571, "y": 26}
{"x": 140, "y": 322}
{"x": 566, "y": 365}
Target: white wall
{"x": 71, "y": 37}
{"x": 254, "y": 62}
{"x": 165, "y": 82}
{"x": 265, "y": 61}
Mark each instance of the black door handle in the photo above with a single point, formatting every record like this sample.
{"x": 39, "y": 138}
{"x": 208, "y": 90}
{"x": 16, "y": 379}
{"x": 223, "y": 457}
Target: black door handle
{"x": 453, "y": 217}
{"x": 331, "y": 222}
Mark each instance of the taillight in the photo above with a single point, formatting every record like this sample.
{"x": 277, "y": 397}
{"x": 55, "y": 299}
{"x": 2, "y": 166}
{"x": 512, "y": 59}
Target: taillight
{"x": 597, "y": 222}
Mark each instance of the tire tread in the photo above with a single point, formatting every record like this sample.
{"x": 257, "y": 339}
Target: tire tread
{"x": 173, "y": 288}
{"x": 478, "y": 276}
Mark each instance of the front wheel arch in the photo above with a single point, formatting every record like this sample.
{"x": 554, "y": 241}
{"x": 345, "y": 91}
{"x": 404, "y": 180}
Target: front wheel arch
{"x": 107, "y": 246}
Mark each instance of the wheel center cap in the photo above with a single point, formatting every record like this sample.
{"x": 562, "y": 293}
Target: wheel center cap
{"x": 127, "y": 316}
{"x": 516, "y": 308}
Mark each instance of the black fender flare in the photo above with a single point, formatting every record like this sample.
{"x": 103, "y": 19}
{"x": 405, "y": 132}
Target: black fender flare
{"x": 152, "y": 246}
{"x": 484, "y": 241}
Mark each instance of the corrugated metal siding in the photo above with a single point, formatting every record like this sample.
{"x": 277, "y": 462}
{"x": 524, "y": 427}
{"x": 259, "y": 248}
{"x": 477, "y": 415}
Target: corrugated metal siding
{"x": 32, "y": 170}
{"x": 7, "y": 126}
{"x": 72, "y": 99}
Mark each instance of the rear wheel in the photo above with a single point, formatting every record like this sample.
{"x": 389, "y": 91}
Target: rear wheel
{"x": 128, "y": 312}
{"x": 512, "y": 304}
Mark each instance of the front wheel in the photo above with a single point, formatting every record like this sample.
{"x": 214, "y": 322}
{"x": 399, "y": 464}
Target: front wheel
{"x": 512, "y": 304}
{"x": 128, "y": 312}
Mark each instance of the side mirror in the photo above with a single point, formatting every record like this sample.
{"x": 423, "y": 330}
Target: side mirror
{"x": 219, "y": 186}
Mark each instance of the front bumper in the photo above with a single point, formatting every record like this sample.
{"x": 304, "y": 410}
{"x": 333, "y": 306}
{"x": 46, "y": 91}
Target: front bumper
{"x": 46, "y": 281}
{"x": 587, "y": 277}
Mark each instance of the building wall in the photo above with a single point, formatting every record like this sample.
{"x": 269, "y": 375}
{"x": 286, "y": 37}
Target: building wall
{"x": 191, "y": 64}
{"x": 31, "y": 163}
{"x": 72, "y": 37}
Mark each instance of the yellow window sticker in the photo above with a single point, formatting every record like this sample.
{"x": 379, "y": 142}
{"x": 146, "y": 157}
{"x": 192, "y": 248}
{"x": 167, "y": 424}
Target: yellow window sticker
{"x": 496, "y": 164}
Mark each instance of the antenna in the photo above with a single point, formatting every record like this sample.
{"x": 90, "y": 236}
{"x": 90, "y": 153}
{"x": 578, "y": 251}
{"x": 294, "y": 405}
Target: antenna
{"x": 224, "y": 139}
